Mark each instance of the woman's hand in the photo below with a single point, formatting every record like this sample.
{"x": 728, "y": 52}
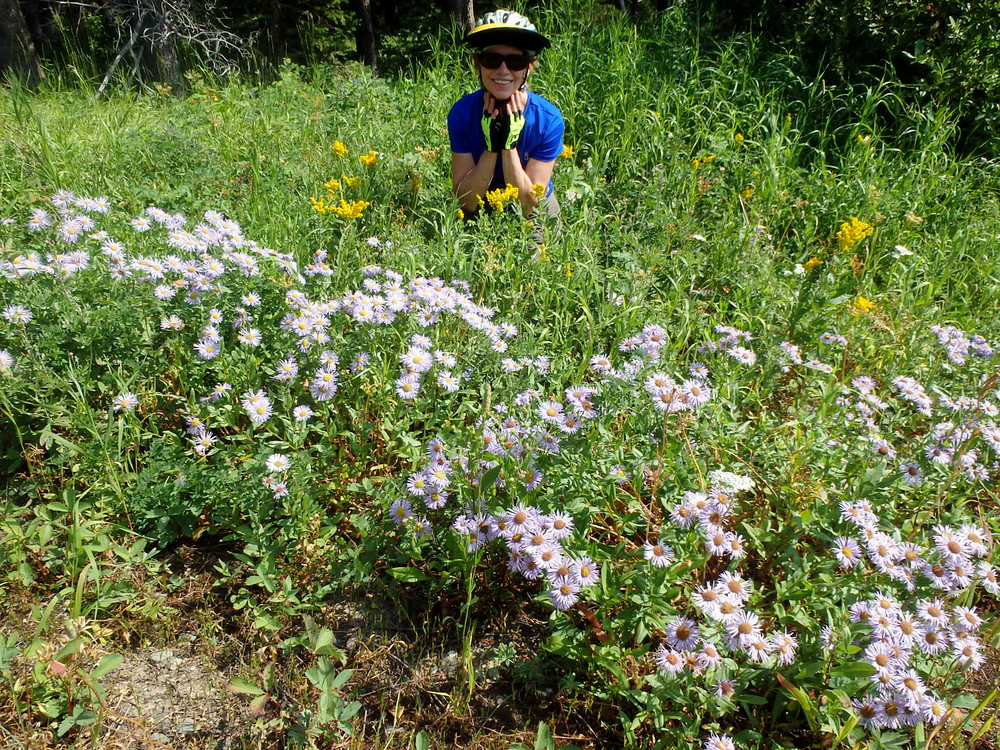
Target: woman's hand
{"x": 492, "y": 108}
{"x": 503, "y": 120}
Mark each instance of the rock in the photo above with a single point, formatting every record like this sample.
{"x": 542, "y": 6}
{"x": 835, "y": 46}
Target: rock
{"x": 451, "y": 662}
{"x": 165, "y": 659}
{"x": 187, "y": 726}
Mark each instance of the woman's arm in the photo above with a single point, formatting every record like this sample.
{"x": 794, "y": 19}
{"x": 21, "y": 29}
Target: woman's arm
{"x": 470, "y": 179}
{"x": 533, "y": 173}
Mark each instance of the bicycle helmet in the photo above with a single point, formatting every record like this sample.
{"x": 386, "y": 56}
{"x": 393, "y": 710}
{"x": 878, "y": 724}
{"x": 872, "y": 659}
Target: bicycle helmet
{"x": 506, "y": 27}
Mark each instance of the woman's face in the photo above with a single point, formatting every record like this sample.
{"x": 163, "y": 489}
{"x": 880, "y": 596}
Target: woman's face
{"x": 502, "y": 82}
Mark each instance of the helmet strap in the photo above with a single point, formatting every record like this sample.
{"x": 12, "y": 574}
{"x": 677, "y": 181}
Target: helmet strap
{"x": 524, "y": 83}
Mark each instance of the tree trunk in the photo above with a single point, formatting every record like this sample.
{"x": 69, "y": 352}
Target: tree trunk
{"x": 39, "y": 21}
{"x": 364, "y": 37}
{"x": 463, "y": 13}
{"x": 167, "y": 59}
{"x": 17, "y": 51}
{"x": 276, "y": 40}
{"x": 156, "y": 58}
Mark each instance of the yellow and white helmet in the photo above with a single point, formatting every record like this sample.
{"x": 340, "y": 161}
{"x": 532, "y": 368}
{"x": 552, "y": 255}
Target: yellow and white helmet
{"x": 506, "y": 27}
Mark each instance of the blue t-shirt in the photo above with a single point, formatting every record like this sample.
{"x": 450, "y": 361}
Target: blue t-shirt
{"x": 541, "y": 139}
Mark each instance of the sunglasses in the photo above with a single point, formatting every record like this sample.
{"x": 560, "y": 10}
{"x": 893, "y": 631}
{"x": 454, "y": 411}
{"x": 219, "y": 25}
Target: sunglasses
{"x": 494, "y": 60}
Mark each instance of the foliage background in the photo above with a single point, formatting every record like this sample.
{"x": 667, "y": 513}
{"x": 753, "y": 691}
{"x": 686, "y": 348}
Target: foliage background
{"x": 944, "y": 53}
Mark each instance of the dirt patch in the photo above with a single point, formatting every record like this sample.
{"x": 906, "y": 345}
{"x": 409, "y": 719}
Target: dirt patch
{"x": 173, "y": 697}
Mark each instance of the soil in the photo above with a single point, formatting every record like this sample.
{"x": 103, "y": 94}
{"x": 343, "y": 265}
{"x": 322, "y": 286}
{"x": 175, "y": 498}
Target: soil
{"x": 172, "y": 697}
{"x": 173, "y": 691}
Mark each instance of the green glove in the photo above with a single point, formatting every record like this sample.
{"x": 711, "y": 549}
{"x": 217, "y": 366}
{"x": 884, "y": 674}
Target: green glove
{"x": 501, "y": 132}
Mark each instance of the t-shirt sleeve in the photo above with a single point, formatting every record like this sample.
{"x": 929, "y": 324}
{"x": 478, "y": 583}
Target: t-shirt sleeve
{"x": 460, "y": 131}
{"x": 551, "y": 137}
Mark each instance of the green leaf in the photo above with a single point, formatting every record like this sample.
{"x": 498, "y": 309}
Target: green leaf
{"x": 8, "y": 651}
{"x": 981, "y": 731}
{"x": 409, "y": 575}
{"x": 987, "y": 700}
{"x": 342, "y": 678}
{"x": 966, "y": 700}
{"x": 323, "y": 639}
{"x": 803, "y": 700}
{"x": 267, "y": 622}
{"x": 69, "y": 648}
{"x": 242, "y": 687}
{"x": 543, "y": 740}
{"x": 322, "y": 675}
{"x": 257, "y": 704}
{"x": 312, "y": 632}
{"x": 873, "y": 475}
{"x": 846, "y": 729}
{"x": 489, "y": 480}
{"x": 421, "y": 741}
{"x": 854, "y": 670}
{"x": 809, "y": 669}
{"x": 80, "y": 717}
{"x": 65, "y": 725}
{"x": 107, "y": 664}
{"x": 796, "y": 594}
{"x": 52, "y": 708}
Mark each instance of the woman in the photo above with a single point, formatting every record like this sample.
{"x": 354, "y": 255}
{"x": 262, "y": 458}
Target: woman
{"x": 503, "y": 134}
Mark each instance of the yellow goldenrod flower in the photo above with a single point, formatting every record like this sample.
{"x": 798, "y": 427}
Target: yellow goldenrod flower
{"x": 710, "y": 158}
{"x": 852, "y": 232}
{"x": 319, "y": 205}
{"x": 461, "y": 214}
{"x": 351, "y": 182}
{"x": 747, "y": 193}
{"x": 569, "y": 270}
{"x": 864, "y": 140}
{"x": 695, "y": 164}
{"x": 738, "y": 138}
{"x": 333, "y": 186}
{"x": 339, "y": 148}
{"x": 567, "y": 152}
{"x": 862, "y": 306}
{"x": 352, "y": 210}
{"x": 812, "y": 264}
{"x": 369, "y": 160}
{"x": 498, "y": 198}
{"x": 538, "y": 190}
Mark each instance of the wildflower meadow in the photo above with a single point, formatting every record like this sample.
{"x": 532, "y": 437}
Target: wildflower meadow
{"x": 714, "y": 466}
